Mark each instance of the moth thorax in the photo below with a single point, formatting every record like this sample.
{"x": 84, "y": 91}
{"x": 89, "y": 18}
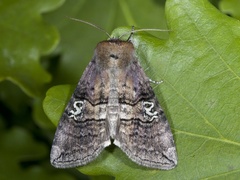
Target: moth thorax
{"x": 114, "y": 53}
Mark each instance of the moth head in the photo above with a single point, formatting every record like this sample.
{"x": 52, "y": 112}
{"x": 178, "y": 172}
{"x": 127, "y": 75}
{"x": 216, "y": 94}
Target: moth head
{"x": 114, "y": 53}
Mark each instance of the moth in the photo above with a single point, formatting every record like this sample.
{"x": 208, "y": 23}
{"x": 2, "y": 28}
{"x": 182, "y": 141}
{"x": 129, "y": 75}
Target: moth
{"x": 114, "y": 101}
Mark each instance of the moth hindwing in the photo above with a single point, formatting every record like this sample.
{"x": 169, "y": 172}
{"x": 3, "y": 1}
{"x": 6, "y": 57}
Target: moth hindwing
{"x": 114, "y": 100}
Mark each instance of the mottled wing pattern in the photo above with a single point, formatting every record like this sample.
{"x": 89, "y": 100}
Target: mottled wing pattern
{"x": 144, "y": 133}
{"x": 82, "y": 132}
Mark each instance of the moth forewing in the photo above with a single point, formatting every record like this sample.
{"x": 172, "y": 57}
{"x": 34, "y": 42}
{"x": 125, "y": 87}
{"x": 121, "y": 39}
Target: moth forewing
{"x": 82, "y": 132}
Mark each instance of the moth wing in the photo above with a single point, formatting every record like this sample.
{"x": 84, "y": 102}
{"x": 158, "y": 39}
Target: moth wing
{"x": 144, "y": 133}
{"x": 81, "y": 133}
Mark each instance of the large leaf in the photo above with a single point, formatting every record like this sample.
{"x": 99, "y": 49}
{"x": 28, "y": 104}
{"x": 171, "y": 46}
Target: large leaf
{"x": 24, "y": 37}
{"x": 200, "y": 67}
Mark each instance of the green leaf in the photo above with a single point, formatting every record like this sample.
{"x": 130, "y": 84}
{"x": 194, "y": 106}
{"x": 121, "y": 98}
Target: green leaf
{"x": 24, "y": 37}
{"x": 200, "y": 67}
{"x": 56, "y": 100}
{"x": 230, "y": 7}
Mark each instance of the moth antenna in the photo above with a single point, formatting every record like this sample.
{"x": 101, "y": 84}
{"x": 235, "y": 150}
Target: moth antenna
{"x": 130, "y": 34}
{"x": 139, "y": 30}
{"x": 90, "y": 24}
{"x": 146, "y": 29}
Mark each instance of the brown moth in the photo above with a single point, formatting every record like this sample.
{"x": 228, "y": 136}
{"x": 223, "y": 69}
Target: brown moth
{"x": 114, "y": 100}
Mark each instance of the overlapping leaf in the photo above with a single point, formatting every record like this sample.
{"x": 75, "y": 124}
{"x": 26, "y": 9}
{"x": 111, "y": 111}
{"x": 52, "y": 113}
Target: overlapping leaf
{"x": 24, "y": 37}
